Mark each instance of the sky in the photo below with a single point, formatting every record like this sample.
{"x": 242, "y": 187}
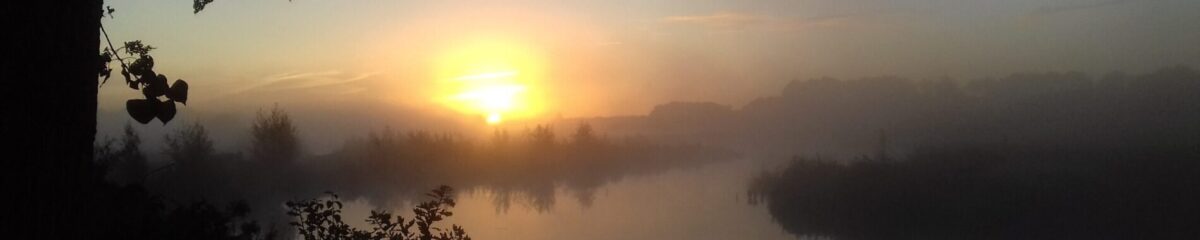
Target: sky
{"x": 607, "y": 58}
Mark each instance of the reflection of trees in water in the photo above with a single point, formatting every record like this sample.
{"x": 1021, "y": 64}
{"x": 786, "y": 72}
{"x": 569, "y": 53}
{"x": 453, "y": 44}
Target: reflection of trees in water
{"x": 540, "y": 199}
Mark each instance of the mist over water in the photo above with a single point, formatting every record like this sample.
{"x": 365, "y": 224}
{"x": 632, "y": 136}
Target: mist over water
{"x": 868, "y": 158}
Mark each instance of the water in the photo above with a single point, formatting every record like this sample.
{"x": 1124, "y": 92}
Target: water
{"x": 705, "y": 202}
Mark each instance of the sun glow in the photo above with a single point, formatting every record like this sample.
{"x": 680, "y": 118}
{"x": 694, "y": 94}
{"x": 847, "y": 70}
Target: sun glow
{"x": 494, "y": 80}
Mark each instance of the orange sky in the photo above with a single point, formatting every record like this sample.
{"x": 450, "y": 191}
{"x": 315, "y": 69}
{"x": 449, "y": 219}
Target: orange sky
{"x": 594, "y": 58}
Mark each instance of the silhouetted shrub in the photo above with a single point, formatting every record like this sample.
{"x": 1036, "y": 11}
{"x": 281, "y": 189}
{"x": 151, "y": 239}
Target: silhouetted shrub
{"x": 274, "y": 139}
{"x": 322, "y": 219}
{"x": 189, "y": 146}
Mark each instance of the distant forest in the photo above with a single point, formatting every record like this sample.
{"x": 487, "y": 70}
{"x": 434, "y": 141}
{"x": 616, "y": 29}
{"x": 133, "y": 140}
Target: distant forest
{"x": 1031, "y": 156}
{"x": 845, "y": 118}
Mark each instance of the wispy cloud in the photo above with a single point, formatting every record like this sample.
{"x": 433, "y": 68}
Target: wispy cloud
{"x": 1057, "y": 9}
{"x": 732, "y": 21}
{"x": 717, "y": 21}
{"x": 1039, "y": 15}
{"x": 302, "y": 81}
{"x": 822, "y": 21}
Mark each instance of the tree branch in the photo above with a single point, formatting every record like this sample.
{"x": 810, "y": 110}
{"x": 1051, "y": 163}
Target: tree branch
{"x": 115, "y": 54}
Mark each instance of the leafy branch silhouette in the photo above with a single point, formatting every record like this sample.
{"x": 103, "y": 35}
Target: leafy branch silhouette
{"x": 322, "y": 219}
{"x": 140, "y": 75}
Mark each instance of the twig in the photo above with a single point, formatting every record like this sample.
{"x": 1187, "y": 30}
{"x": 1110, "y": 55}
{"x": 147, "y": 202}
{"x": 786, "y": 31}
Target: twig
{"x": 115, "y": 54}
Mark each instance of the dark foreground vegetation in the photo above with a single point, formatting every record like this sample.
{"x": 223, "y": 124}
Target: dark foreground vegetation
{"x": 321, "y": 219}
{"x": 992, "y": 192}
{"x": 1045, "y": 156}
{"x": 128, "y": 211}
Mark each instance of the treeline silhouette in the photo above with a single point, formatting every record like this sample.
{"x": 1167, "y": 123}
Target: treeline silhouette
{"x": 1031, "y": 156}
{"x": 122, "y": 208}
{"x": 390, "y": 168}
{"x": 529, "y": 166}
{"x": 991, "y": 192}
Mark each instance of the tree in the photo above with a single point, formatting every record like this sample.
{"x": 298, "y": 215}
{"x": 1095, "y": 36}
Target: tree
{"x": 50, "y": 87}
{"x": 274, "y": 137}
{"x": 542, "y": 137}
{"x": 124, "y": 165}
{"x": 585, "y": 136}
{"x": 189, "y": 146}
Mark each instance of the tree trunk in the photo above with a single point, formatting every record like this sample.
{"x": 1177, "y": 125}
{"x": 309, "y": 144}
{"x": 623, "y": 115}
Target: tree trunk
{"x": 49, "y": 86}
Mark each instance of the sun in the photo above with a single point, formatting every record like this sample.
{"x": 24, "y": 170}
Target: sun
{"x": 494, "y": 119}
{"x": 492, "y": 94}
{"x": 494, "y": 80}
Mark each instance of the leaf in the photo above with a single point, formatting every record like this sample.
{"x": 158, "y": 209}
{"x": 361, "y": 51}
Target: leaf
{"x": 166, "y": 111}
{"x": 198, "y": 5}
{"x": 155, "y": 86}
{"x": 128, "y": 80}
{"x": 178, "y": 91}
{"x": 105, "y": 58}
{"x": 142, "y": 110}
{"x": 105, "y": 73}
{"x": 138, "y": 48}
{"x": 142, "y": 66}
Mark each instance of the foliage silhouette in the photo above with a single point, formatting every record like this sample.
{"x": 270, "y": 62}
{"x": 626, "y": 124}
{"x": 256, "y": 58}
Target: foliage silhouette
{"x": 198, "y": 5}
{"x": 140, "y": 75}
{"x": 322, "y": 219}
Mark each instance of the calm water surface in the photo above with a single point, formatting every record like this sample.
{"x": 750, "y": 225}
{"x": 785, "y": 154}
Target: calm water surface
{"x": 705, "y": 202}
